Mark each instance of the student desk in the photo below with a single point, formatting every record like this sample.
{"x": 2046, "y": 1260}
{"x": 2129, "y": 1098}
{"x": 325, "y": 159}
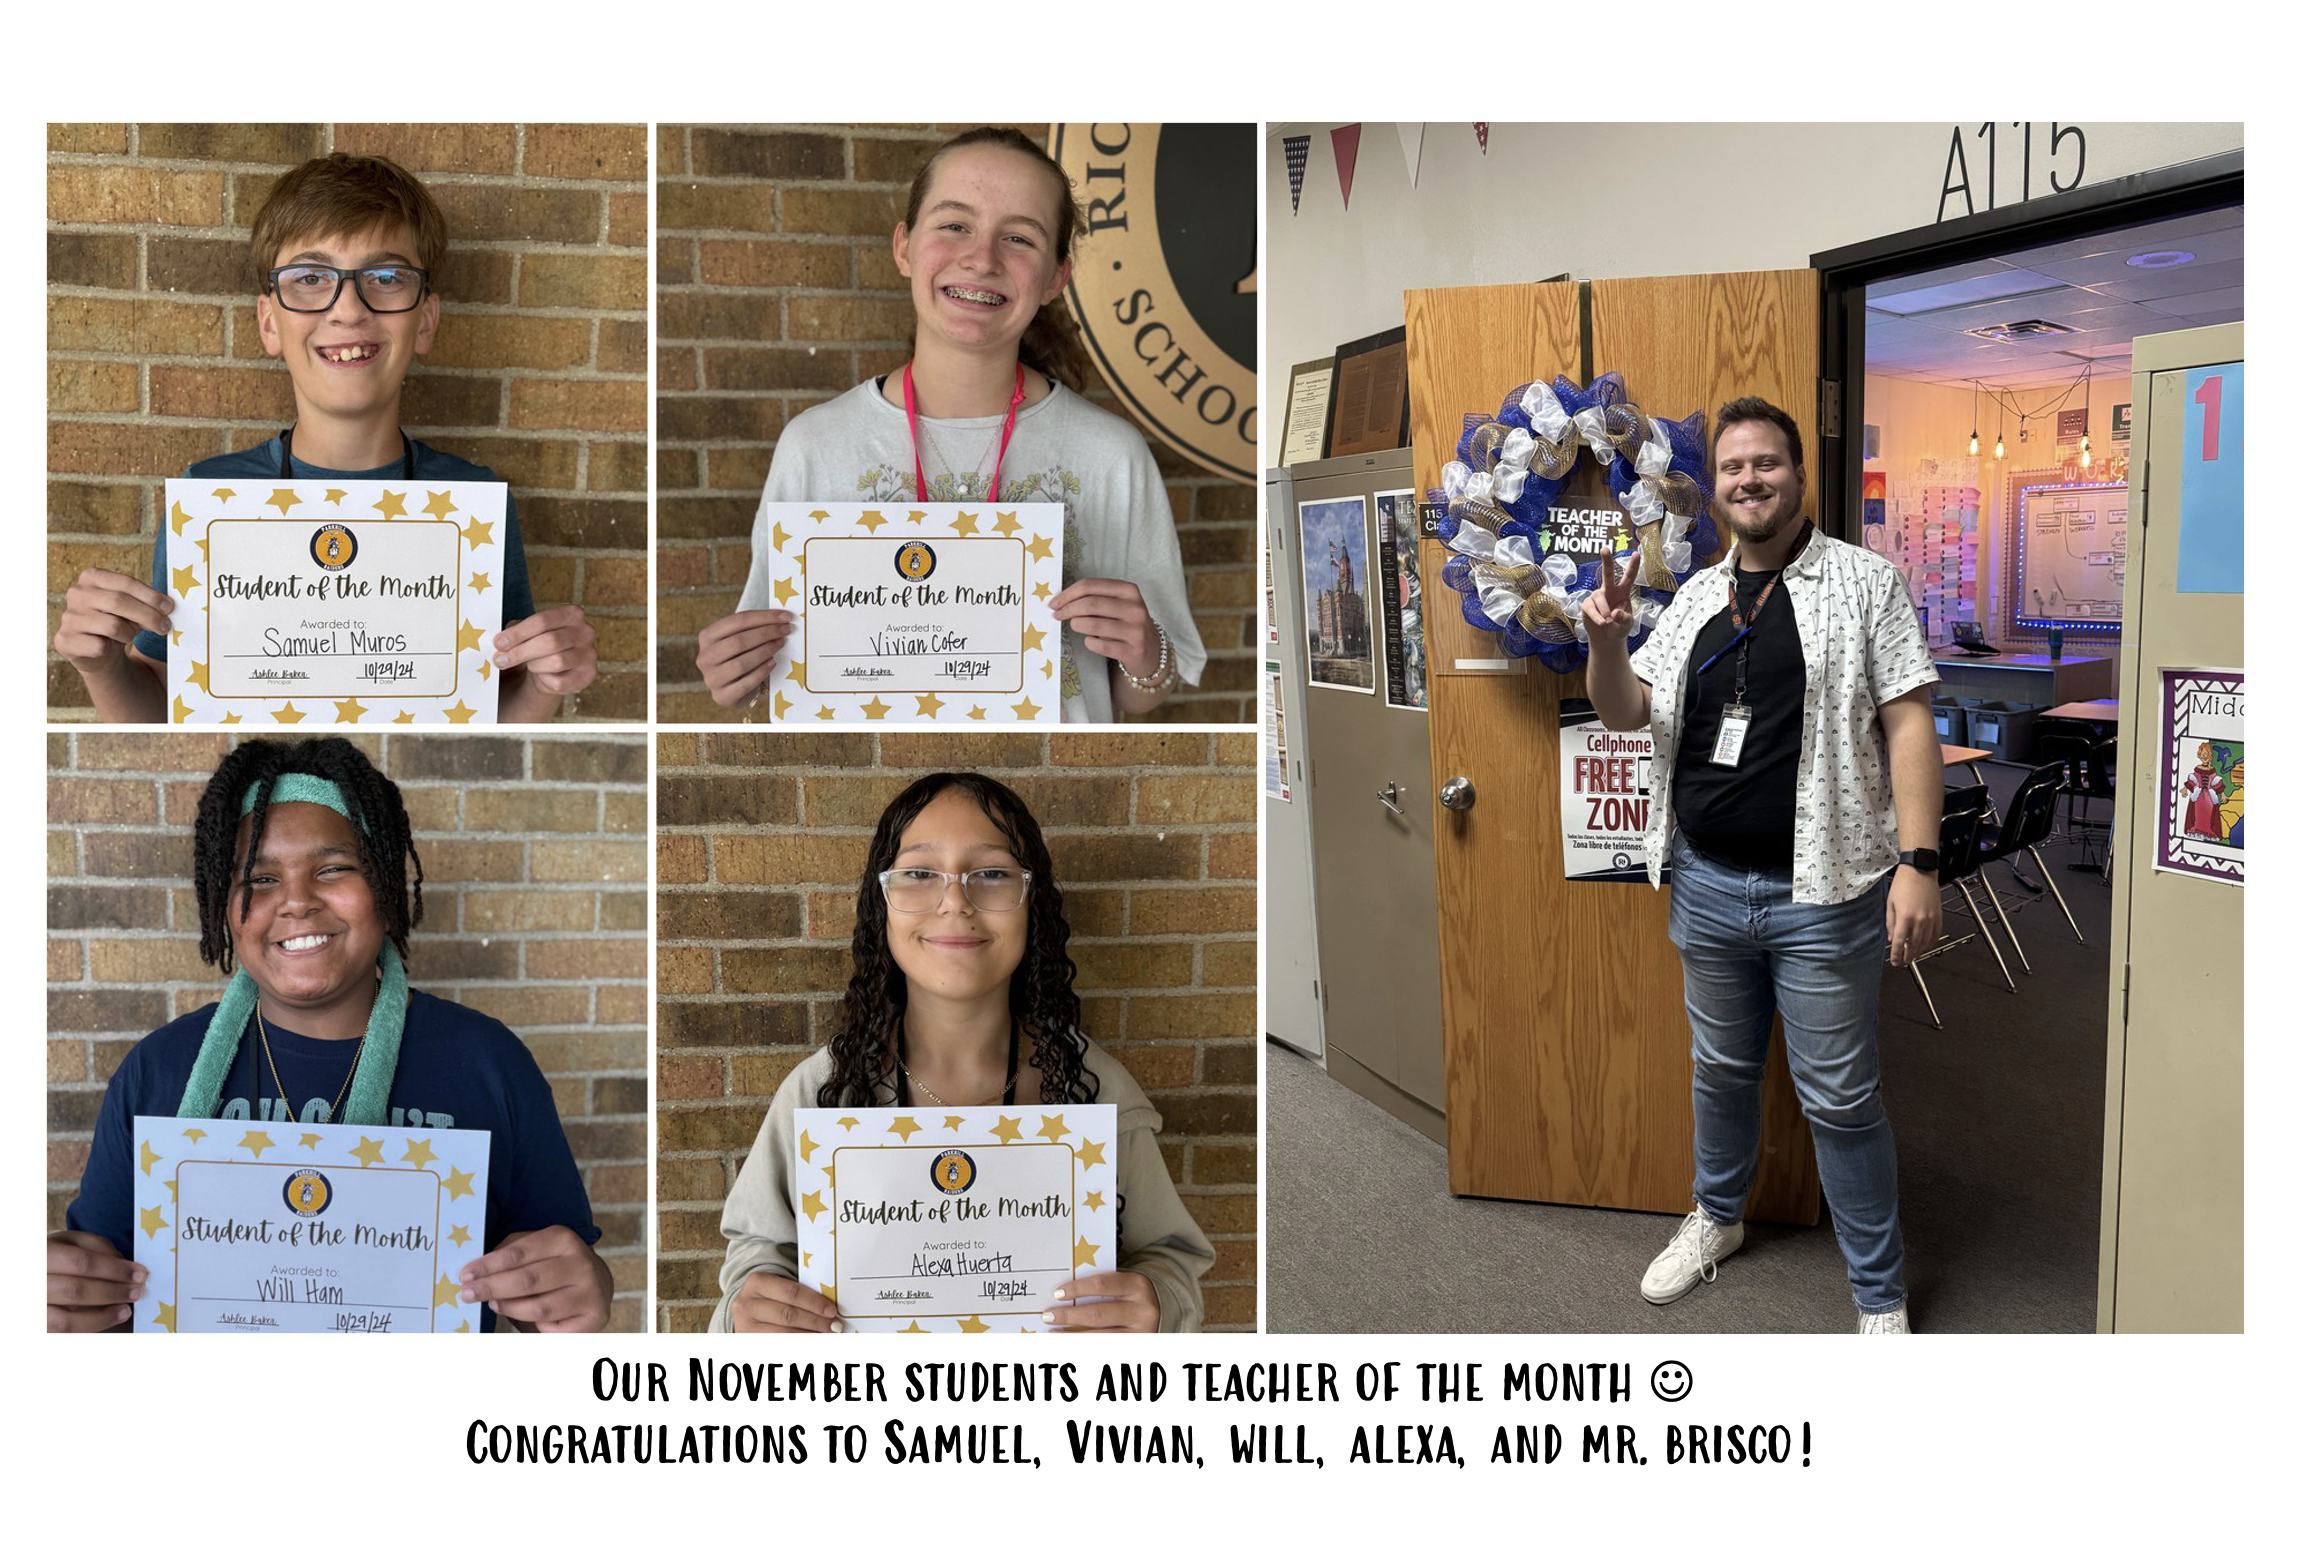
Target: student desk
{"x": 2093, "y": 716}
{"x": 2025, "y": 679}
{"x": 1964, "y": 755}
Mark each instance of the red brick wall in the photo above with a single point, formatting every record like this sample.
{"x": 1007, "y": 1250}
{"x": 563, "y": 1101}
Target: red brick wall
{"x": 759, "y": 841}
{"x": 776, "y": 290}
{"x": 539, "y": 371}
{"x": 535, "y": 912}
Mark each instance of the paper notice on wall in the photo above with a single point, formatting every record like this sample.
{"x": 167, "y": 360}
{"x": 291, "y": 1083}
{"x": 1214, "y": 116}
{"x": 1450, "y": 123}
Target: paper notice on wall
{"x": 1605, "y": 795}
{"x": 2202, "y": 755}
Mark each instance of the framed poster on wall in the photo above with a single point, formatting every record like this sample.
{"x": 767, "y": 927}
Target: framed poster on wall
{"x": 1367, "y": 407}
{"x": 1338, "y": 623}
{"x": 1399, "y": 565}
{"x": 1308, "y": 395}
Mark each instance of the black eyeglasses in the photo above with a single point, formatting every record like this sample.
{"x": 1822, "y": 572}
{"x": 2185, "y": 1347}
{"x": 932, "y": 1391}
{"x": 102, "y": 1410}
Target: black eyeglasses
{"x": 384, "y": 288}
{"x": 914, "y": 889}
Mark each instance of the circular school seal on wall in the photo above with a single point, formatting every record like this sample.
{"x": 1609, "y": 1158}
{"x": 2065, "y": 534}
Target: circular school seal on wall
{"x": 307, "y": 1192}
{"x": 915, "y": 560}
{"x": 334, "y": 547}
{"x": 953, "y": 1172}
{"x": 1163, "y": 280}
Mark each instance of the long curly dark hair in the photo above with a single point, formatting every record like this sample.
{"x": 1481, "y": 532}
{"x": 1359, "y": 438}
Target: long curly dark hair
{"x": 1039, "y": 993}
{"x": 1051, "y": 343}
{"x": 387, "y": 846}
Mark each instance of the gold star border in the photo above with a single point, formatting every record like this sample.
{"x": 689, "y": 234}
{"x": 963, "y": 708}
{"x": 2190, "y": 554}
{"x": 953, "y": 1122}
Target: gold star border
{"x": 389, "y": 503}
{"x": 791, "y": 670}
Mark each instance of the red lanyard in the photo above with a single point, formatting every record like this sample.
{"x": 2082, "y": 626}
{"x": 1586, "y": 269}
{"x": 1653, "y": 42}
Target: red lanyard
{"x": 1006, "y": 432}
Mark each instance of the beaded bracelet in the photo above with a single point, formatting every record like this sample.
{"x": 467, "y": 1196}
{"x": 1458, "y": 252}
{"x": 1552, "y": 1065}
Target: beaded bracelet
{"x": 1162, "y": 677}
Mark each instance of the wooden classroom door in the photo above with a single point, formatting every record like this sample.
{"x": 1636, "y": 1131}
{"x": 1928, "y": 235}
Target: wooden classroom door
{"x": 1567, "y": 1070}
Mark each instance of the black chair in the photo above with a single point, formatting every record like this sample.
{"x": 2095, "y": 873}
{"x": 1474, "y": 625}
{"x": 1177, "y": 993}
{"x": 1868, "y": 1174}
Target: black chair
{"x": 1958, "y": 861}
{"x": 2029, "y": 817}
{"x": 2096, "y": 776}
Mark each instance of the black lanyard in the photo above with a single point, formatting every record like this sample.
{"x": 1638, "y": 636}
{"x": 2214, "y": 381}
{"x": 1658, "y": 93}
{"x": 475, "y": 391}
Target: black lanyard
{"x": 288, "y": 454}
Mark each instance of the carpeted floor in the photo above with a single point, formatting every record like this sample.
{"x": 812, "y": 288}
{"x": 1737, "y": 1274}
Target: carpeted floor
{"x": 1998, "y": 1119}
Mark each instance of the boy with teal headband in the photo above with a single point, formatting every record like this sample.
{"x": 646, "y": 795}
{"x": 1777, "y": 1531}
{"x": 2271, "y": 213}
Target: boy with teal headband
{"x": 347, "y": 252}
{"x": 308, "y": 883}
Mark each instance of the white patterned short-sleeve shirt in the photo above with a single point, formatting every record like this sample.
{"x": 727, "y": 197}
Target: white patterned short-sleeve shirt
{"x": 1863, "y": 646}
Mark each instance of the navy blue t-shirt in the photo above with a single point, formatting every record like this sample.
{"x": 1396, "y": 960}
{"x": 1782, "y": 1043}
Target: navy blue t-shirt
{"x": 263, "y": 460}
{"x": 458, "y": 1069}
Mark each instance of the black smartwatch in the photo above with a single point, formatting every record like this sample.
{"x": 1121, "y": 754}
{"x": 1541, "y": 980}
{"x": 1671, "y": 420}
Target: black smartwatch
{"x": 1925, "y": 858}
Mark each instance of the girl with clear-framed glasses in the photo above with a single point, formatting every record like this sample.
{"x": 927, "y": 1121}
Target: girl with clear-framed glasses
{"x": 961, "y": 995}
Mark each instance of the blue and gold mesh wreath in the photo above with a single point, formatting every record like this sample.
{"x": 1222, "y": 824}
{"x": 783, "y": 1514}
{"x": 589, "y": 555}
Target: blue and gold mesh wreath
{"x": 1509, "y": 469}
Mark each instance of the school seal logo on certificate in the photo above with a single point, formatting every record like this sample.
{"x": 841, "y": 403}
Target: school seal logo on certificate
{"x": 373, "y": 602}
{"x": 916, "y": 613}
{"x": 954, "y": 1220}
{"x": 293, "y": 1228}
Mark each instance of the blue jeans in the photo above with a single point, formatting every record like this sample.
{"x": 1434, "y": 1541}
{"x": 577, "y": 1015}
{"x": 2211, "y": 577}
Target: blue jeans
{"x": 1747, "y": 951}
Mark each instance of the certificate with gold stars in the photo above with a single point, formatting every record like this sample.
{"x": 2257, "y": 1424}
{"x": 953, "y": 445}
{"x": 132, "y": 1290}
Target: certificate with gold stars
{"x": 954, "y": 1220}
{"x": 301, "y": 602}
{"x": 917, "y": 613}
{"x": 294, "y": 1228}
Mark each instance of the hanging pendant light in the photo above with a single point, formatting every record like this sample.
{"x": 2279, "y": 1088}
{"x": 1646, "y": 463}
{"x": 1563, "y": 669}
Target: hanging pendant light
{"x": 2086, "y": 424}
{"x": 1974, "y": 435}
{"x": 2001, "y": 428}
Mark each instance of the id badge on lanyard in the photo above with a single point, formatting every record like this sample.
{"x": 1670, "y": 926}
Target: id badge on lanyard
{"x": 1734, "y": 718}
{"x": 1734, "y": 727}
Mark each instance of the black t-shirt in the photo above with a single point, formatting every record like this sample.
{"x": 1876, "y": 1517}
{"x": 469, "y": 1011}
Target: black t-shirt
{"x": 1744, "y": 814}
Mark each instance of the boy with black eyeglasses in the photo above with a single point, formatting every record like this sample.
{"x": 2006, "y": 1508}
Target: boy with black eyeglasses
{"x": 348, "y": 250}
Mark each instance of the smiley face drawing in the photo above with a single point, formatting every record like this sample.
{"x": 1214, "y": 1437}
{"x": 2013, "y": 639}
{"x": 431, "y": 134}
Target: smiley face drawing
{"x": 1672, "y": 1381}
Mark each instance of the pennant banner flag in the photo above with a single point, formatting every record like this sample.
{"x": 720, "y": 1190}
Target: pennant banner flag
{"x": 1298, "y": 147}
{"x": 1480, "y": 129}
{"x": 1411, "y": 146}
{"x": 1346, "y": 157}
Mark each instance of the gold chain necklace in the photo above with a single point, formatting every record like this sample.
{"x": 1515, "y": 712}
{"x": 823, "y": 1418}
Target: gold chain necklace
{"x": 264, "y": 1040}
{"x": 940, "y": 1102}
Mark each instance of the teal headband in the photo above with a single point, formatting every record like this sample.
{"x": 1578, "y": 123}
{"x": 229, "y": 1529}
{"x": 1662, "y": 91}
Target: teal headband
{"x": 301, "y": 787}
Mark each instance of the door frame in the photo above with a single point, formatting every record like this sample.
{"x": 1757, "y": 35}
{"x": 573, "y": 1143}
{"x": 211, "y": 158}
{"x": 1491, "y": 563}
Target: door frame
{"x": 2210, "y": 182}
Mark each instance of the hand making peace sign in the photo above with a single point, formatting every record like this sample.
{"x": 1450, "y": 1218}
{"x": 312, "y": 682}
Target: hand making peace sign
{"x": 1607, "y": 615}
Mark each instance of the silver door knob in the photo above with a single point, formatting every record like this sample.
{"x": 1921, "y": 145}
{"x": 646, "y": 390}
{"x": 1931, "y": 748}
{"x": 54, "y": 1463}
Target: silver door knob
{"x": 1457, "y": 793}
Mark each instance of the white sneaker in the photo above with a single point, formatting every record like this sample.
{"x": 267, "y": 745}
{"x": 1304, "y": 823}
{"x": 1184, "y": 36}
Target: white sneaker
{"x": 1691, "y": 1258}
{"x": 1896, "y": 1321}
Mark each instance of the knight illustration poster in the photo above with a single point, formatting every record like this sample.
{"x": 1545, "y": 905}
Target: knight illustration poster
{"x": 2202, "y": 824}
{"x": 1395, "y": 527}
{"x": 1337, "y": 619}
